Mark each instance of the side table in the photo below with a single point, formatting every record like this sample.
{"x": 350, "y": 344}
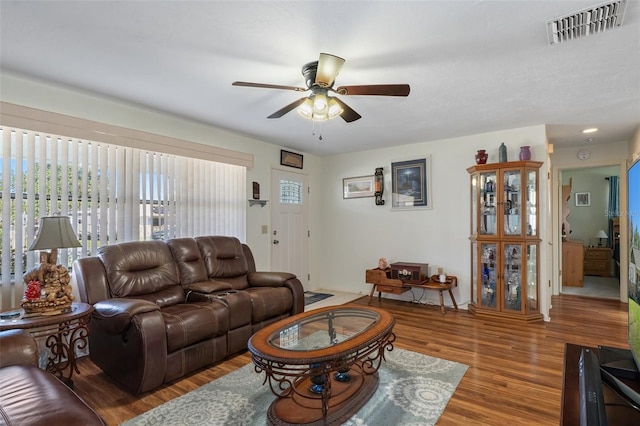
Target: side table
{"x": 433, "y": 283}
{"x": 65, "y": 333}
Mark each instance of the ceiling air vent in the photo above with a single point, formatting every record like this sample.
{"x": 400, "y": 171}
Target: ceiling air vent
{"x": 586, "y": 22}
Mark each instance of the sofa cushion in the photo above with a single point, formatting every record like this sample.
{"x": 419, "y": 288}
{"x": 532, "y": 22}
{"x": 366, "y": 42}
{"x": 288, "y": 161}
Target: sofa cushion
{"x": 190, "y": 323}
{"x": 139, "y": 268}
{"x": 187, "y": 255}
{"x": 269, "y": 302}
{"x": 224, "y": 260}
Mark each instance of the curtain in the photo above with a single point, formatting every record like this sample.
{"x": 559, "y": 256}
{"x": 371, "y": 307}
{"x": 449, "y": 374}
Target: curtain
{"x": 111, "y": 193}
{"x": 613, "y": 209}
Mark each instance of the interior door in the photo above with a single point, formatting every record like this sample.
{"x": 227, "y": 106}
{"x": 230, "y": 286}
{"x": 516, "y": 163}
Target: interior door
{"x": 290, "y": 224}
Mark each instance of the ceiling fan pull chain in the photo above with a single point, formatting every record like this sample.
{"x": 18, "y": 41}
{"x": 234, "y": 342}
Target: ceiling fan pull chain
{"x": 319, "y": 129}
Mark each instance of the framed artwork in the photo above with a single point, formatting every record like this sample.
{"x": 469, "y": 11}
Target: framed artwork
{"x": 358, "y": 187}
{"x": 583, "y": 199}
{"x": 410, "y": 184}
{"x": 291, "y": 159}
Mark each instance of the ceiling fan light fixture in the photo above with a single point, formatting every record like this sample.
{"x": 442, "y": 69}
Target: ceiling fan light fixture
{"x": 320, "y": 104}
{"x": 335, "y": 110}
{"x": 306, "y": 109}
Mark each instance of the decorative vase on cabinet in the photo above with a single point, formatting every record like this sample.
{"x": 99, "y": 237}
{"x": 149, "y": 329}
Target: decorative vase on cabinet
{"x": 505, "y": 242}
{"x": 481, "y": 156}
{"x": 525, "y": 153}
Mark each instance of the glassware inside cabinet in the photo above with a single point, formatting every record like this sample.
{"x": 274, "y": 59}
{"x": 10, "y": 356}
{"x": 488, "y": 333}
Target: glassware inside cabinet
{"x": 531, "y": 206}
{"x": 488, "y": 202}
{"x": 532, "y": 277}
{"x": 512, "y": 202}
{"x": 489, "y": 275}
{"x": 512, "y": 277}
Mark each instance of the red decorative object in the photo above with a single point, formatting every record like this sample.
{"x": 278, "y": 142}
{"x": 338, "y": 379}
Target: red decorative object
{"x": 32, "y": 291}
{"x": 481, "y": 156}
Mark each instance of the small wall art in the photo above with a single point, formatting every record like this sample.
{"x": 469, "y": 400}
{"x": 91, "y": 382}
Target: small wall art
{"x": 583, "y": 199}
{"x": 410, "y": 182}
{"x": 291, "y": 159}
{"x": 358, "y": 187}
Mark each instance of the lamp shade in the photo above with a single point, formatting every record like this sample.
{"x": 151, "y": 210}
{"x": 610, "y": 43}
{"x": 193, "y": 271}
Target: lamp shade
{"x": 55, "y": 232}
{"x": 601, "y": 234}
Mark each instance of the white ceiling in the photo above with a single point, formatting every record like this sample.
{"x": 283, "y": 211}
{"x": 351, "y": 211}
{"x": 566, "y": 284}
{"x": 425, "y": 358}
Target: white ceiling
{"x": 473, "y": 66}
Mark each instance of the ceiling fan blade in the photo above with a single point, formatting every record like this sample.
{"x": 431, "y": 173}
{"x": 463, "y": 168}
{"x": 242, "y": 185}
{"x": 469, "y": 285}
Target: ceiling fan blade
{"x": 282, "y": 111}
{"x": 348, "y": 114}
{"x": 375, "y": 90}
{"x": 328, "y": 68}
{"x": 268, "y": 86}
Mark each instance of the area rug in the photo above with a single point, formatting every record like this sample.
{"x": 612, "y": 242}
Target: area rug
{"x": 414, "y": 389}
{"x": 311, "y": 297}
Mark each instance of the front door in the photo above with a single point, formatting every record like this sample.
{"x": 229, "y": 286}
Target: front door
{"x": 290, "y": 224}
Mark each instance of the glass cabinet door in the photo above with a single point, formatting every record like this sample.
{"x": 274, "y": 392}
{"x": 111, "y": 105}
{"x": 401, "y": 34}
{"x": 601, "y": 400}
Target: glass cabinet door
{"x": 532, "y": 277}
{"x": 512, "y": 202}
{"x": 488, "y": 203}
{"x": 531, "y": 206}
{"x": 512, "y": 297}
{"x": 474, "y": 272}
{"x": 489, "y": 265}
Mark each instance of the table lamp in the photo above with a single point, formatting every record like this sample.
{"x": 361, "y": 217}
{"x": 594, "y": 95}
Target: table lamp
{"x": 600, "y": 235}
{"x": 48, "y": 286}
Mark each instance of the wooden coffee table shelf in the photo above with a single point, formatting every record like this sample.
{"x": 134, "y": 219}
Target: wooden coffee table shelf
{"x": 313, "y": 348}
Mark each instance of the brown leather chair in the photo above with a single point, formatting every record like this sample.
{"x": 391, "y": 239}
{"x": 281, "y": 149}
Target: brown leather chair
{"x": 31, "y": 396}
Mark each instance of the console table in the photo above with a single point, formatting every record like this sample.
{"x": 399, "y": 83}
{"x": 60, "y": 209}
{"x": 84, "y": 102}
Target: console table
{"x": 64, "y": 333}
{"x": 383, "y": 284}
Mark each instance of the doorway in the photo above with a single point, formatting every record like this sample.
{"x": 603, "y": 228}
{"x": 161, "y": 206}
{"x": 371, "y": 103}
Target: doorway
{"x": 587, "y": 223}
{"x": 290, "y": 224}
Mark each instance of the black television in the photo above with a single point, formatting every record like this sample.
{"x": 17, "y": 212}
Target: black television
{"x": 633, "y": 218}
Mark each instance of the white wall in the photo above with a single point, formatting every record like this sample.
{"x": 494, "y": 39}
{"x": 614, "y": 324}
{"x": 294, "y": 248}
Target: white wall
{"x": 356, "y": 232}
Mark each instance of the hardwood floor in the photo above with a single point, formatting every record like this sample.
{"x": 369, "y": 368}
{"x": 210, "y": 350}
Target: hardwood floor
{"x": 515, "y": 374}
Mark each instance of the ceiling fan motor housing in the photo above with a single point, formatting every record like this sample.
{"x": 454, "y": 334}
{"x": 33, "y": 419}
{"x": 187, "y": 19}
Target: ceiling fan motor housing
{"x": 309, "y": 72}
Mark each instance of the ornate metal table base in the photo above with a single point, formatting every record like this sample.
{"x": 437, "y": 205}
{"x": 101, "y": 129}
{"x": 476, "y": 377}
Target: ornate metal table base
{"x": 63, "y": 335}
{"x": 346, "y": 398}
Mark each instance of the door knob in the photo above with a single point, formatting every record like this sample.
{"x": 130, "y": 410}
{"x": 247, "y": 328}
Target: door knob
{"x": 275, "y": 241}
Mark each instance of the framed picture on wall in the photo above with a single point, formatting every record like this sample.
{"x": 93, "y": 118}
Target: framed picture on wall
{"x": 291, "y": 159}
{"x": 583, "y": 199}
{"x": 410, "y": 182}
{"x": 358, "y": 187}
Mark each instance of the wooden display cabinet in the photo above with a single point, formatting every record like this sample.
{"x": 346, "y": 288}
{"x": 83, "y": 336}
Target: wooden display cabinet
{"x": 505, "y": 244}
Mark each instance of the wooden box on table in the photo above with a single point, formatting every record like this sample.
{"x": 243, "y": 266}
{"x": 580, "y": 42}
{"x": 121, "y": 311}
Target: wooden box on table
{"x": 382, "y": 283}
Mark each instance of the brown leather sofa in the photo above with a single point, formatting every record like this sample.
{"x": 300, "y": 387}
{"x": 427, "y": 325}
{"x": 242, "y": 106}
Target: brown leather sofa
{"x": 31, "y": 396}
{"x": 166, "y": 309}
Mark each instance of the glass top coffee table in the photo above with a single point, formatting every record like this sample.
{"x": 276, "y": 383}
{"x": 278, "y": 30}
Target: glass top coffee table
{"x": 322, "y": 364}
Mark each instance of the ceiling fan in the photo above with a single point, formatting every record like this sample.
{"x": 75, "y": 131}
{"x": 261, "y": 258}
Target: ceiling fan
{"x": 319, "y": 78}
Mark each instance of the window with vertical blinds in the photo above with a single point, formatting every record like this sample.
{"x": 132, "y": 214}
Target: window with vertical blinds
{"x": 111, "y": 193}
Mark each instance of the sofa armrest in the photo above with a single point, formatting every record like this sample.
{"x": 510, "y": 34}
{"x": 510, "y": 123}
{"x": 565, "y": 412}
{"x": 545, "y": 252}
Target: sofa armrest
{"x": 208, "y": 287}
{"x": 268, "y": 279}
{"x": 17, "y": 347}
{"x": 115, "y": 315}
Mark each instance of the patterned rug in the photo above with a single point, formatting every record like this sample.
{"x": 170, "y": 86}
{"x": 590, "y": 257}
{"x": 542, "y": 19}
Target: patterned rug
{"x": 414, "y": 389}
{"x": 311, "y": 297}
